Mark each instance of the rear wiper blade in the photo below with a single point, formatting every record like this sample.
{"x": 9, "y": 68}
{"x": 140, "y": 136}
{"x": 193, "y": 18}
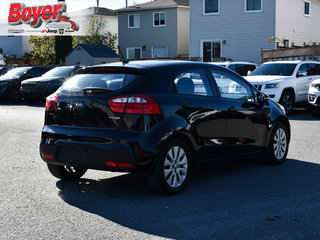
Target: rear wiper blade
{"x": 93, "y": 90}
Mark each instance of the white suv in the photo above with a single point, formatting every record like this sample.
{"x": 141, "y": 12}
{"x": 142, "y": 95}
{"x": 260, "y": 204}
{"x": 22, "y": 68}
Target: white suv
{"x": 314, "y": 94}
{"x": 285, "y": 82}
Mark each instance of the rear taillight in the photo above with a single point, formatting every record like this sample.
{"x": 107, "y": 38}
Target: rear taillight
{"x": 51, "y": 102}
{"x": 136, "y": 104}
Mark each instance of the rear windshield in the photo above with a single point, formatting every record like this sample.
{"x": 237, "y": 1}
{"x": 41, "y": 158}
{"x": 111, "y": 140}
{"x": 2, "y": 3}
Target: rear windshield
{"x": 277, "y": 69}
{"x": 108, "y": 81}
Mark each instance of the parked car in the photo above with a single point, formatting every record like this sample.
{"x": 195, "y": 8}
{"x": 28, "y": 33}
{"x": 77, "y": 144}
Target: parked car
{"x": 314, "y": 95}
{"x": 285, "y": 82}
{"x": 159, "y": 118}
{"x": 242, "y": 68}
{"x": 41, "y": 87}
{"x": 11, "y": 81}
{"x": 3, "y": 70}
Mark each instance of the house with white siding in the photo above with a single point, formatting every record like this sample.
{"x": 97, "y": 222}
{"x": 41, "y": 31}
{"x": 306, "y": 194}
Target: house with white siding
{"x": 90, "y": 54}
{"x": 237, "y": 29}
{"x": 157, "y": 29}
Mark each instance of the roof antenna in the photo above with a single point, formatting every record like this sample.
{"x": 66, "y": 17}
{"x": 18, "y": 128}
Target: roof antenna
{"x": 123, "y": 60}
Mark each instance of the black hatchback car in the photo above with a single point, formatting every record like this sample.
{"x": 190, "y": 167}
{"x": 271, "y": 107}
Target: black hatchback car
{"x": 159, "y": 118}
{"x": 11, "y": 81}
{"x": 41, "y": 87}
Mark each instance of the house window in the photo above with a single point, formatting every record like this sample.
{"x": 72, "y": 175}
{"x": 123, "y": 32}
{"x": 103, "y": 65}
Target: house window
{"x": 211, "y": 7}
{"x": 159, "y": 52}
{"x": 159, "y": 19}
{"x": 307, "y": 8}
{"x": 134, "y": 20}
{"x": 211, "y": 49}
{"x": 253, "y": 5}
{"x": 134, "y": 53}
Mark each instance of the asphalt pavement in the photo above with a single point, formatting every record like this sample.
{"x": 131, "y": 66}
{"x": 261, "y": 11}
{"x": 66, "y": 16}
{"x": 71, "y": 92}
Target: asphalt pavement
{"x": 233, "y": 200}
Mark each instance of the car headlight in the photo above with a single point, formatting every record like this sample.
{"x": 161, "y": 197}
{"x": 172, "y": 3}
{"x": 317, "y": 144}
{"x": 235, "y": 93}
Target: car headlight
{"x": 271, "y": 85}
{"x": 3, "y": 83}
{"x": 316, "y": 86}
{"x": 282, "y": 108}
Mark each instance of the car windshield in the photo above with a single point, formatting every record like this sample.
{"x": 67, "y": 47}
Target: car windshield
{"x": 109, "y": 81}
{"x": 3, "y": 70}
{"x": 58, "y": 72}
{"x": 17, "y": 72}
{"x": 276, "y": 69}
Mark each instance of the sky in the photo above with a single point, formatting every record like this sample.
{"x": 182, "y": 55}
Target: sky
{"x": 72, "y": 4}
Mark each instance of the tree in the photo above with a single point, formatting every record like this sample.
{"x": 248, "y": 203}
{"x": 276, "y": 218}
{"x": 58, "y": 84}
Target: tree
{"x": 96, "y": 35}
{"x": 63, "y": 45}
{"x": 43, "y": 49}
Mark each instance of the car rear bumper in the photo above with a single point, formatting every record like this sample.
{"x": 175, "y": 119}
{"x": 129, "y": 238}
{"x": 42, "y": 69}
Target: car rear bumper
{"x": 94, "y": 151}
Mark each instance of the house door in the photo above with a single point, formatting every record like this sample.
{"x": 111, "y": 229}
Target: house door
{"x": 211, "y": 50}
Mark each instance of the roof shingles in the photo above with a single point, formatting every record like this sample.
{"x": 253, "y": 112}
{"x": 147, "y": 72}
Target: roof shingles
{"x": 99, "y": 51}
{"x": 157, "y": 3}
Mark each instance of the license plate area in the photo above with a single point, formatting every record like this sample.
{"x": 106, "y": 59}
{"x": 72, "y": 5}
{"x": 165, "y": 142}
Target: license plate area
{"x": 76, "y": 155}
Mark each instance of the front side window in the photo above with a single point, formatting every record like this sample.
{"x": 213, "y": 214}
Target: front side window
{"x": 307, "y": 8}
{"x": 231, "y": 87}
{"x": 211, "y": 6}
{"x": 253, "y": 5}
{"x": 134, "y": 53}
{"x": 134, "y": 20}
{"x": 193, "y": 83}
{"x": 159, "y": 19}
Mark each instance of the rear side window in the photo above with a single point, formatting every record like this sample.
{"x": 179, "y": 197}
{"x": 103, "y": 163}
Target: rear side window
{"x": 193, "y": 83}
{"x": 108, "y": 81}
{"x": 313, "y": 69}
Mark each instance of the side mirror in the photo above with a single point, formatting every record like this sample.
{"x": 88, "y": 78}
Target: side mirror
{"x": 261, "y": 98}
{"x": 302, "y": 73}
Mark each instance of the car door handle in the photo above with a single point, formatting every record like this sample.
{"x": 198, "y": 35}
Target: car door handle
{"x": 310, "y": 78}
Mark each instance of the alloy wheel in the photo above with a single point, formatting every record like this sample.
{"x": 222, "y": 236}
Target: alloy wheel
{"x": 280, "y": 144}
{"x": 175, "y": 167}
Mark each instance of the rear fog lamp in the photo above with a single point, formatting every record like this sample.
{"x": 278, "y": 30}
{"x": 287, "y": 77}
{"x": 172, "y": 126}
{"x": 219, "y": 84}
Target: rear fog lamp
{"x": 120, "y": 165}
{"x": 47, "y": 156}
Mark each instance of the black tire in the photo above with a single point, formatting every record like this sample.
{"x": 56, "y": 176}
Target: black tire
{"x": 273, "y": 156}
{"x": 287, "y": 101}
{"x": 179, "y": 167}
{"x": 15, "y": 96}
{"x": 66, "y": 172}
